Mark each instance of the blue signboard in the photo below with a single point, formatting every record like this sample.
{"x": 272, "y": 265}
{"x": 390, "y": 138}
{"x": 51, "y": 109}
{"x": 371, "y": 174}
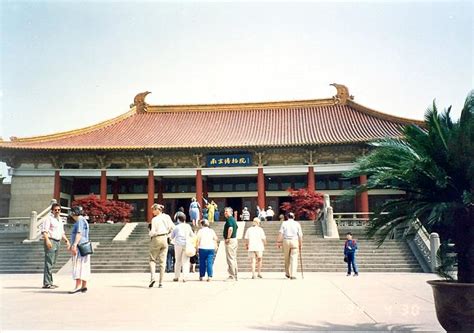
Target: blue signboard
{"x": 236, "y": 160}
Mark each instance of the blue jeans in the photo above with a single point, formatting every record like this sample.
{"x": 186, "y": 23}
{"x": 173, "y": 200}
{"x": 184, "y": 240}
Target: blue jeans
{"x": 170, "y": 259}
{"x": 351, "y": 261}
{"x": 206, "y": 260}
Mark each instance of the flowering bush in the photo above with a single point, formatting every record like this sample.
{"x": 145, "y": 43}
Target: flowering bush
{"x": 304, "y": 203}
{"x": 100, "y": 211}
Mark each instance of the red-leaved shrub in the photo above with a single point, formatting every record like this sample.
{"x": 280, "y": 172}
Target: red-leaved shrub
{"x": 304, "y": 203}
{"x": 100, "y": 211}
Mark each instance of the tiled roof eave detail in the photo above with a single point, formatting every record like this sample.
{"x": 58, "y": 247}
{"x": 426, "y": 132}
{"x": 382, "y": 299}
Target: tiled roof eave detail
{"x": 67, "y": 134}
{"x": 384, "y": 116}
{"x": 170, "y": 148}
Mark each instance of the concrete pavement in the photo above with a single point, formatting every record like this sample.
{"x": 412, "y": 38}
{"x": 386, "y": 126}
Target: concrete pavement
{"x": 320, "y": 301}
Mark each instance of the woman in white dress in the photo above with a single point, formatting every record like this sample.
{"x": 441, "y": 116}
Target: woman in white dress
{"x": 81, "y": 265}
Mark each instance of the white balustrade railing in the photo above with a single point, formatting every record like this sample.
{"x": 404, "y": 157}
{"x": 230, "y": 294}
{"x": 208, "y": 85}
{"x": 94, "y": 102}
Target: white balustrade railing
{"x": 37, "y": 221}
{"x": 14, "y": 224}
{"x": 30, "y": 224}
{"x": 352, "y": 219}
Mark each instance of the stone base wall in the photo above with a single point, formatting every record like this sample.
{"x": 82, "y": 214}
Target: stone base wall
{"x": 4, "y": 199}
{"x": 30, "y": 193}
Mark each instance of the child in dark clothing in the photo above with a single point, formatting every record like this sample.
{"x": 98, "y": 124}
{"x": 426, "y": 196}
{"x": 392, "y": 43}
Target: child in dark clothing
{"x": 350, "y": 248}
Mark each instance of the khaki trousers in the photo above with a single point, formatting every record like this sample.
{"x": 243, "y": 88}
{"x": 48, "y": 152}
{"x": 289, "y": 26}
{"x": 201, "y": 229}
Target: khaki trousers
{"x": 231, "y": 256}
{"x": 158, "y": 253}
{"x": 291, "y": 251}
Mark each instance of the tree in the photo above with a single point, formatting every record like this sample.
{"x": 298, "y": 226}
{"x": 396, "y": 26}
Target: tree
{"x": 434, "y": 166}
{"x": 304, "y": 203}
{"x": 100, "y": 211}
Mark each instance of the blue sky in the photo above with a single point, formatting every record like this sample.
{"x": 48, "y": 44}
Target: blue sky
{"x": 67, "y": 64}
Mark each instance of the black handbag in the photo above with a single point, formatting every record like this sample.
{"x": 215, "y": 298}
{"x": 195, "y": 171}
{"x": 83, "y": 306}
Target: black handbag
{"x": 85, "y": 248}
{"x": 345, "y": 259}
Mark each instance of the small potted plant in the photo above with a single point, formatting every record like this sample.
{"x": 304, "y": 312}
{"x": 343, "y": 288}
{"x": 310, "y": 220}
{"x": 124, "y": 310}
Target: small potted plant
{"x": 434, "y": 166}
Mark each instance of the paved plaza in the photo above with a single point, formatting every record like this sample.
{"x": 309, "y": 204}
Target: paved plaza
{"x": 319, "y": 302}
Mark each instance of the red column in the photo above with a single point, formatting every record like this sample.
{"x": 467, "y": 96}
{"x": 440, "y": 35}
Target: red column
{"x": 57, "y": 186}
{"x": 199, "y": 187}
{"x": 151, "y": 194}
{"x": 261, "y": 188}
{"x": 103, "y": 185}
{"x": 311, "y": 183}
{"x": 160, "y": 190}
{"x": 364, "y": 196}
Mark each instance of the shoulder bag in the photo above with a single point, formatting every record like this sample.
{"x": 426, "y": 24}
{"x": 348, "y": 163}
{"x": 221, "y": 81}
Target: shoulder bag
{"x": 190, "y": 249}
{"x": 85, "y": 249}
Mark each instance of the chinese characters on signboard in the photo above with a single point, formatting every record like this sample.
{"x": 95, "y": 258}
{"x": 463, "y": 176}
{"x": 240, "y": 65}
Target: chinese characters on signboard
{"x": 215, "y": 161}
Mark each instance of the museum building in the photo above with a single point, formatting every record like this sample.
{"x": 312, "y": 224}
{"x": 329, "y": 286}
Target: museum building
{"x": 244, "y": 154}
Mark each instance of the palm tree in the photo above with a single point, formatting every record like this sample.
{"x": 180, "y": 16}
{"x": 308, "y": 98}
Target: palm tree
{"x": 434, "y": 166}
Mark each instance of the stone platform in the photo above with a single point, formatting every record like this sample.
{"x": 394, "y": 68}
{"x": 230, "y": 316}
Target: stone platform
{"x": 319, "y": 302}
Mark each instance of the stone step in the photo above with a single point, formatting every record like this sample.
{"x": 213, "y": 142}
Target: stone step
{"x": 132, "y": 255}
{"x": 243, "y": 263}
{"x": 120, "y": 270}
{"x": 330, "y": 266}
{"x": 336, "y": 269}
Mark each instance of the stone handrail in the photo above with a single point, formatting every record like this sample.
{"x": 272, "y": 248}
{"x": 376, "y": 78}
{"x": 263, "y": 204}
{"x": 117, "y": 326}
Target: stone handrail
{"x": 36, "y": 221}
{"x": 423, "y": 245}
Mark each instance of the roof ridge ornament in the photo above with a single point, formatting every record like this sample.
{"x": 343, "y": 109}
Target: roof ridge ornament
{"x": 139, "y": 102}
{"x": 342, "y": 94}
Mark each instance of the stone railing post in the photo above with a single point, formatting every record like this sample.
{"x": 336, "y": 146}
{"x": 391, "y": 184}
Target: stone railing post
{"x": 327, "y": 200}
{"x": 33, "y": 225}
{"x": 434, "y": 246}
{"x": 331, "y": 225}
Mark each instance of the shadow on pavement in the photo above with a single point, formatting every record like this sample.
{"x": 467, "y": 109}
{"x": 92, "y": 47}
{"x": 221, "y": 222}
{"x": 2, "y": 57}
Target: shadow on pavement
{"x": 294, "y": 326}
{"x": 135, "y": 286}
{"x": 54, "y": 292}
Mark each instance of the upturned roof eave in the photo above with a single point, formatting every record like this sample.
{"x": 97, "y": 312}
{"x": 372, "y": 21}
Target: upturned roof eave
{"x": 384, "y": 116}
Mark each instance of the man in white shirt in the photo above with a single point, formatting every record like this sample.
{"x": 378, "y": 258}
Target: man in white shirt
{"x": 261, "y": 214}
{"x": 245, "y": 216}
{"x": 161, "y": 227}
{"x": 53, "y": 231}
{"x": 255, "y": 243}
{"x": 291, "y": 236}
{"x": 270, "y": 213}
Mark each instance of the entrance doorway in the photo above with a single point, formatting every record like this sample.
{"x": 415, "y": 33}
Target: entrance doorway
{"x": 183, "y": 203}
{"x": 235, "y": 204}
